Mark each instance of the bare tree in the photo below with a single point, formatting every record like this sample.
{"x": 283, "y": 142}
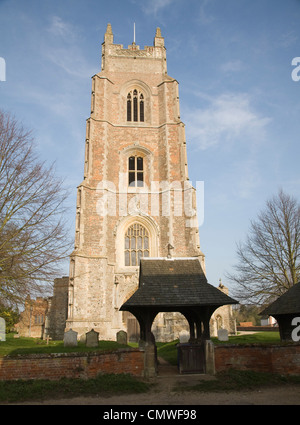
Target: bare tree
{"x": 33, "y": 236}
{"x": 268, "y": 261}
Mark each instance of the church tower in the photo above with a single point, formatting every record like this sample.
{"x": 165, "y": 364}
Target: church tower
{"x": 135, "y": 199}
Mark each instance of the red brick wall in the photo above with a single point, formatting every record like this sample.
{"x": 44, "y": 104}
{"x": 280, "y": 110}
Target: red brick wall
{"x": 71, "y": 365}
{"x": 282, "y": 359}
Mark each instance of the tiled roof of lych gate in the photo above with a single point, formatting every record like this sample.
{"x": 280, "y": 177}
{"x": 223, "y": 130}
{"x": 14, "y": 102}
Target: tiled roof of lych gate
{"x": 175, "y": 282}
{"x": 288, "y": 303}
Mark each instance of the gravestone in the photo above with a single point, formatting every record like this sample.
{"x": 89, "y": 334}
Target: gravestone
{"x": 222, "y": 335}
{"x": 70, "y": 338}
{"x": 122, "y": 337}
{"x": 184, "y": 337}
{"x": 92, "y": 338}
{"x": 2, "y": 329}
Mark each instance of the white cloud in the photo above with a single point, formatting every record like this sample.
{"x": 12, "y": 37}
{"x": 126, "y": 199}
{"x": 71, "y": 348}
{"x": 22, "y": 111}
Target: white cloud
{"x": 232, "y": 66}
{"x": 154, "y": 6}
{"x": 227, "y": 118}
{"x": 60, "y": 28}
{"x": 63, "y": 48}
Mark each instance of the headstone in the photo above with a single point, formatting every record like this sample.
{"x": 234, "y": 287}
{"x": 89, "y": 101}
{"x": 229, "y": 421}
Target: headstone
{"x": 122, "y": 337}
{"x": 2, "y": 329}
{"x": 92, "y": 338}
{"x": 184, "y": 337}
{"x": 70, "y": 338}
{"x": 222, "y": 335}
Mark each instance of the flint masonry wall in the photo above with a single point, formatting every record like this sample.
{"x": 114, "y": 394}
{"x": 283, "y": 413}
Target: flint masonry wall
{"x": 71, "y": 365}
{"x": 282, "y": 359}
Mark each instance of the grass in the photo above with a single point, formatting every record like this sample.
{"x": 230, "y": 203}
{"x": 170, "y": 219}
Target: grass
{"x": 255, "y": 338}
{"x": 104, "y": 384}
{"x": 23, "y": 345}
{"x": 42, "y": 389}
{"x": 241, "y": 380}
{"x": 168, "y": 351}
{"x": 112, "y": 384}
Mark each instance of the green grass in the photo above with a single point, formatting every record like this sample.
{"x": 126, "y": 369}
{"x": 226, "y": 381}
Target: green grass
{"x": 168, "y": 351}
{"x": 241, "y": 380}
{"x": 41, "y": 389}
{"x": 256, "y": 338}
{"x": 23, "y": 345}
{"x": 111, "y": 384}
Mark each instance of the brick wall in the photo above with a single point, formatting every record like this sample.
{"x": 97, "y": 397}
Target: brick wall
{"x": 71, "y": 365}
{"x": 282, "y": 359}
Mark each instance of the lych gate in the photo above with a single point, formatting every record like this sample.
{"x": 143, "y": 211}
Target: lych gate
{"x": 175, "y": 284}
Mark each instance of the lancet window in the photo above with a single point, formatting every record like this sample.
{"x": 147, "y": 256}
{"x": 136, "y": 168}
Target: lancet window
{"x": 135, "y": 106}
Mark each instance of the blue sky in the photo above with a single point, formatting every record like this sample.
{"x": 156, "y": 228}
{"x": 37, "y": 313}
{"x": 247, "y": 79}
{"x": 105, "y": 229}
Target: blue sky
{"x": 240, "y": 105}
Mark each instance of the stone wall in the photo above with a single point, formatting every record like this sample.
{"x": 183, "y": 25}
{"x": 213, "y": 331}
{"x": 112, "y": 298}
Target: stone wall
{"x": 57, "y": 309}
{"x": 282, "y": 359}
{"x": 32, "y": 319}
{"x": 72, "y": 365}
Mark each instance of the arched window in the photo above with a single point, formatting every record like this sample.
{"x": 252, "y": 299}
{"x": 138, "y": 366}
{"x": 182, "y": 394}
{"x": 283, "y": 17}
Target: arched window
{"x": 135, "y": 106}
{"x": 136, "y": 244}
{"x": 135, "y": 171}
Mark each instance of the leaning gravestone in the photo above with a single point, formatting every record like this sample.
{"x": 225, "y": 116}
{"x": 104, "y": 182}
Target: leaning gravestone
{"x": 122, "y": 337}
{"x": 92, "y": 338}
{"x": 70, "y": 338}
{"x": 2, "y": 329}
{"x": 222, "y": 334}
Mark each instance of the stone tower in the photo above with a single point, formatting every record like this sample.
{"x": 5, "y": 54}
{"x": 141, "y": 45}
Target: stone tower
{"x": 135, "y": 200}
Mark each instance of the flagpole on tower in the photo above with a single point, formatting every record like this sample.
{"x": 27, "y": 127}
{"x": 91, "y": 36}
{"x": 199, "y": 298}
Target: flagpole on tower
{"x": 134, "y": 32}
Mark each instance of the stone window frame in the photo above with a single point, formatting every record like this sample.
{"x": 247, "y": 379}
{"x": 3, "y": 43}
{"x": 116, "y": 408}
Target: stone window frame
{"x": 136, "y": 244}
{"x": 136, "y": 150}
{"x": 135, "y": 110}
{"x": 141, "y": 89}
{"x": 120, "y": 231}
{"x": 136, "y": 170}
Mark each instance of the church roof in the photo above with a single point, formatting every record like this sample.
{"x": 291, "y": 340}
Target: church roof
{"x": 288, "y": 303}
{"x": 175, "y": 282}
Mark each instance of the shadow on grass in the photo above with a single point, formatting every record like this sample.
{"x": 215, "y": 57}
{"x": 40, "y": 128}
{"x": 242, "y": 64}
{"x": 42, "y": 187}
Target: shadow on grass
{"x": 103, "y": 385}
{"x": 237, "y": 380}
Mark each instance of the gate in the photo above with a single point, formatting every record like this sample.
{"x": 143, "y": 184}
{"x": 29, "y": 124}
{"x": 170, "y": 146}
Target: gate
{"x": 191, "y": 358}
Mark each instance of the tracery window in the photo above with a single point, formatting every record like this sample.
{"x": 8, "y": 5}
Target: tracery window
{"x": 136, "y": 244}
{"x": 136, "y": 171}
{"x": 38, "y": 319}
{"x": 135, "y": 106}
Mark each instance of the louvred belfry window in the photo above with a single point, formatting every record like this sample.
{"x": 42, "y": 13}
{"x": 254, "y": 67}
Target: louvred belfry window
{"x": 135, "y": 106}
{"x": 136, "y": 244}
